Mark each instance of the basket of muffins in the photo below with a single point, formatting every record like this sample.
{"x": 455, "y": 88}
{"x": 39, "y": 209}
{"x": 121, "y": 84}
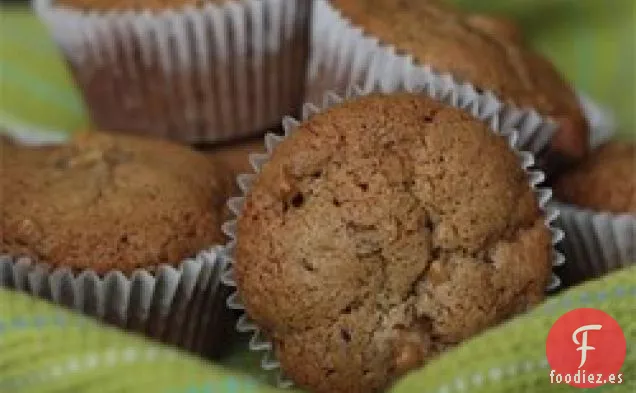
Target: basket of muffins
{"x": 427, "y": 176}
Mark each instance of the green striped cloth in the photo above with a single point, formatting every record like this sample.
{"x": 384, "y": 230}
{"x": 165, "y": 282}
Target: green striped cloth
{"x": 36, "y": 89}
{"x": 591, "y": 41}
{"x": 44, "y": 348}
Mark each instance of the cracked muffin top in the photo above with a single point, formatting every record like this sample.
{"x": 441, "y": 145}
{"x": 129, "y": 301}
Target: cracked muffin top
{"x": 381, "y": 232}
{"x": 486, "y": 51}
{"x": 605, "y": 181}
{"x": 108, "y": 202}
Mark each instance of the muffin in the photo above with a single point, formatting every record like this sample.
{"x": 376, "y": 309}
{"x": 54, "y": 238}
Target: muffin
{"x": 380, "y": 233}
{"x": 193, "y": 71}
{"x": 497, "y": 26}
{"x": 486, "y": 52}
{"x": 119, "y": 227}
{"x": 605, "y": 181}
{"x": 234, "y": 158}
{"x": 598, "y": 212}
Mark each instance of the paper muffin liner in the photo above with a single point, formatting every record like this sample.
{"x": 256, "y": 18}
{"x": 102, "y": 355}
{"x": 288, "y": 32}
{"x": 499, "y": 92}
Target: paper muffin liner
{"x": 600, "y": 120}
{"x": 342, "y": 55}
{"x": 167, "y": 303}
{"x": 218, "y": 72}
{"x": 183, "y": 305}
{"x": 457, "y": 96}
{"x": 595, "y": 242}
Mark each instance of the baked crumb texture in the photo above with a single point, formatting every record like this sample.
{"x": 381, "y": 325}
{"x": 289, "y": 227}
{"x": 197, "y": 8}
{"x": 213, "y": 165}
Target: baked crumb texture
{"x": 382, "y": 232}
{"x": 109, "y": 202}
{"x": 488, "y": 52}
{"x": 605, "y": 181}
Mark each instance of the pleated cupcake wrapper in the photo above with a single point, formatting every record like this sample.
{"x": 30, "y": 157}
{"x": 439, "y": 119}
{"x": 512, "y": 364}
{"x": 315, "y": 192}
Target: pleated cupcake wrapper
{"x": 600, "y": 120}
{"x": 218, "y": 72}
{"x": 173, "y": 304}
{"x": 421, "y": 83}
{"x": 342, "y": 54}
{"x": 180, "y": 305}
{"x": 595, "y": 243}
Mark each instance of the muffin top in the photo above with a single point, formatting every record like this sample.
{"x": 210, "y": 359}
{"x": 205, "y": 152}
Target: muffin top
{"x": 234, "y": 157}
{"x": 486, "y": 52}
{"x": 109, "y": 202}
{"x": 497, "y": 26}
{"x": 381, "y": 232}
{"x": 605, "y": 181}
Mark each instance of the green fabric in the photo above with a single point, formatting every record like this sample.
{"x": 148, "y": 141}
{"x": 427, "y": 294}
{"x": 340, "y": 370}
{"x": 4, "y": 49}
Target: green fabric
{"x": 512, "y": 357}
{"x": 44, "y": 348}
{"x": 36, "y": 89}
{"x": 591, "y": 41}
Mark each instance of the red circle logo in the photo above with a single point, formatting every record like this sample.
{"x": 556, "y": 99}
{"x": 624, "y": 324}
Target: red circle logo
{"x": 586, "y": 348}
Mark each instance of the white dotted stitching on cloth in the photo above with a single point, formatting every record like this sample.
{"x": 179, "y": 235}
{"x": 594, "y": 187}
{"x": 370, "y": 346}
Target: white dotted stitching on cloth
{"x": 73, "y": 366}
{"x": 460, "y": 385}
{"x": 512, "y": 370}
{"x": 109, "y": 358}
{"x": 477, "y": 380}
{"x": 591, "y": 297}
{"x": 91, "y": 361}
{"x": 528, "y": 366}
{"x": 129, "y": 355}
{"x": 497, "y": 374}
{"x": 444, "y": 389}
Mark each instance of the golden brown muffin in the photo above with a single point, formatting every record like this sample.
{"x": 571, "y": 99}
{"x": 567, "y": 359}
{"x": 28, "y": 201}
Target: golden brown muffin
{"x": 605, "y": 181}
{"x": 499, "y": 27}
{"x": 235, "y": 157}
{"x": 109, "y": 202}
{"x": 209, "y": 83}
{"x": 482, "y": 51}
{"x": 382, "y": 232}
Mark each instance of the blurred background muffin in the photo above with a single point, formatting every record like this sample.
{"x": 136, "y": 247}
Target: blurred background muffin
{"x": 485, "y": 51}
{"x": 597, "y": 201}
{"x": 591, "y": 43}
{"x": 122, "y": 228}
{"x": 194, "y": 71}
{"x": 605, "y": 181}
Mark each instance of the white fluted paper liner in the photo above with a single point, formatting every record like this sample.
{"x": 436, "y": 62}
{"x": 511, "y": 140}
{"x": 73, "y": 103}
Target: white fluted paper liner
{"x": 343, "y": 55}
{"x": 218, "y": 72}
{"x": 169, "y": 303}
{"x": 601, "y": 121}
{"x": 176, "y": 304}
{"x": 420, "y": 83}
{"x": 595, "y": 242}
